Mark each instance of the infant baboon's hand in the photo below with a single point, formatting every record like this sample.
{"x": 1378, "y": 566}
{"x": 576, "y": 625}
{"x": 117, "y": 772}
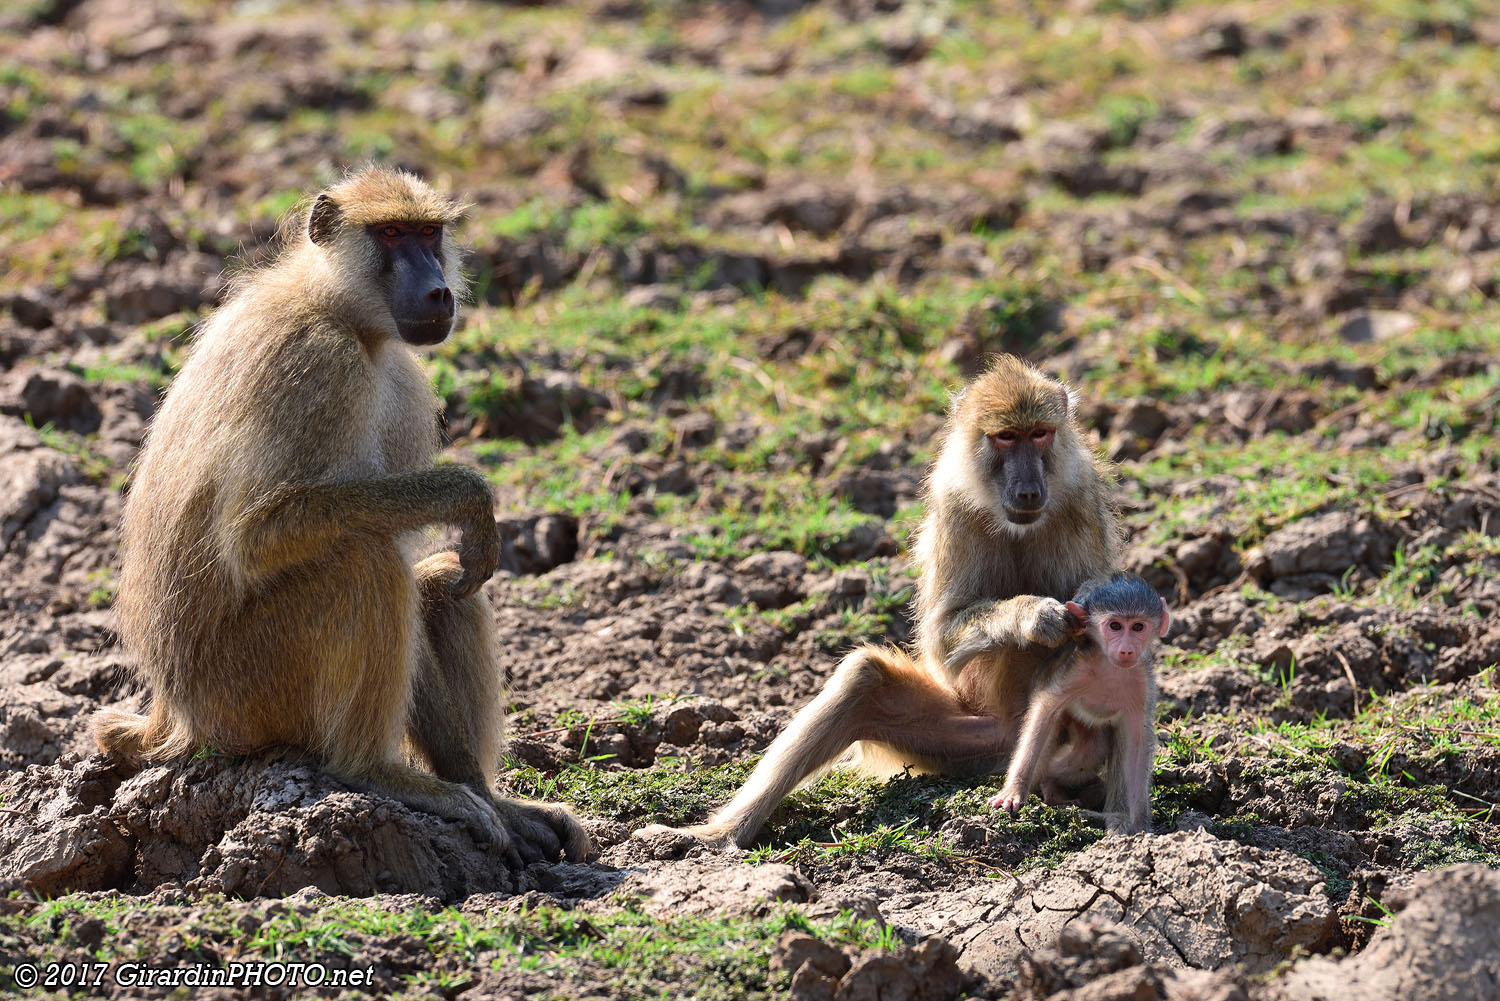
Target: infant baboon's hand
{"x": 1009, "y": 800}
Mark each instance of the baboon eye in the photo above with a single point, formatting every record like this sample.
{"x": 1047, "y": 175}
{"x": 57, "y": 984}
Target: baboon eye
{"x": 1136, "y": 627}
{"x": 1039, "y": 434}
{"x": 429, "y": 231}
{"x": 1006, "y": 435}
{"x": 390, "y": 232}
{"x": 1115, "y": 626}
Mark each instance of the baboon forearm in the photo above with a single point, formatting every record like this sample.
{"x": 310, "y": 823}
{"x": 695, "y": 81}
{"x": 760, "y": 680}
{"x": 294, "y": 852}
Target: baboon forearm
{"x": 987, "y": 623}
{"x": 944, "y": 629}
{"x": 295, "y": 523}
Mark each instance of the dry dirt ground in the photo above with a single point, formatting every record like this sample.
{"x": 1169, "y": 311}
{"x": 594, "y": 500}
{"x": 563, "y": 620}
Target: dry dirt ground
{"x": 729, "y": 259}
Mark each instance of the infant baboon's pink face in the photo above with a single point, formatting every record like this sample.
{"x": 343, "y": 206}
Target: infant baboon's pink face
{"x": 1124, "y": 639}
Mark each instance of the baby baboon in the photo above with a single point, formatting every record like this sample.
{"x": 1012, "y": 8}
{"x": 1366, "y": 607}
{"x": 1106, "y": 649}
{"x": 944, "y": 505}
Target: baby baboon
{"x": 1101, "y": 682}
{"x": 268, "y": 589}
{"x": 1018, "y": 516}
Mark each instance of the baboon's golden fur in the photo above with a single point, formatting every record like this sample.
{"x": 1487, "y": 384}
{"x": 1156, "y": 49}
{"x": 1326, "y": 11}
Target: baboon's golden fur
{"x": 980, "y": 573}
{"x": 269, "y": 589}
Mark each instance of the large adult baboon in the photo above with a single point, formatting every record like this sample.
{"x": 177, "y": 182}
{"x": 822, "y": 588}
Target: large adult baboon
{"x": 270, "y": 590}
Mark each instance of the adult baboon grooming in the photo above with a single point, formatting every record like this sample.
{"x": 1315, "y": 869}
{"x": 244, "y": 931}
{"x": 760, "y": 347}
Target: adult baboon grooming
{"x": 268, "y": 589}
{"x": 1018, "y": 515}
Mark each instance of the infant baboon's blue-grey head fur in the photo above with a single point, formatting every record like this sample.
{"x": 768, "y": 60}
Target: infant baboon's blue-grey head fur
{"x": 1124, "y": 594}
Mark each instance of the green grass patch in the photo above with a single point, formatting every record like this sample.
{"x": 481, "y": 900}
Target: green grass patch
{"x": 639, "y": 953}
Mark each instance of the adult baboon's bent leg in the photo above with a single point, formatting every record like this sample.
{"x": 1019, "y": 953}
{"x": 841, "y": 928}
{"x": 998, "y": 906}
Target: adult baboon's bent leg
{"x": 876, "y": 694}
{"x": 457, "y": 719}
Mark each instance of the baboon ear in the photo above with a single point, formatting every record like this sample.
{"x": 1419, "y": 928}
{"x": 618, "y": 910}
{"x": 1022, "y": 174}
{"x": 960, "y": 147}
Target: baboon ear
{"x": 1166, "y": 620}
{"x": 323, "y": 221}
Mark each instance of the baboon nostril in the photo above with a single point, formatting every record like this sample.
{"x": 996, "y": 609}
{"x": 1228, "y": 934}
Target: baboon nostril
{"x": 441, "y": 297}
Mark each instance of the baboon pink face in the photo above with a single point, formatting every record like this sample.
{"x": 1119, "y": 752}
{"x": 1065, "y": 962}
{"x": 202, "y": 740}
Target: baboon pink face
{"x": 1124, "y": 640}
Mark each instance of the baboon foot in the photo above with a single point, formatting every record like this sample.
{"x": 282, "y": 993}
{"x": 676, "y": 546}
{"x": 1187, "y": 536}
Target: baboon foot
{"x": 449, "y": 800}
{"x": 542, "y": 831}
{"x": 484, "y": 823}
{"x": 1124, "y": 823}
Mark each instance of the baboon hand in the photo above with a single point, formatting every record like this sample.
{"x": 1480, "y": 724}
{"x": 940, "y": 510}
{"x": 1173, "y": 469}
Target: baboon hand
{"x": 473, "y": 512}
{"x": 1051, "y": 622}
{"x": 1009, "y": 800}
{"x": 478, "y": 554}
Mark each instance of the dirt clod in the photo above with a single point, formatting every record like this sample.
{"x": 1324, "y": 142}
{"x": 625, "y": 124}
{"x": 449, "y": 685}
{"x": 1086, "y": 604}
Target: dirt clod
{"x": 1444, "y": 943}
{"x": 1189, "y": 899}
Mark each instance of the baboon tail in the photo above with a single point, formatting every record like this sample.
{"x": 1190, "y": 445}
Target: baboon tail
{"x": 129, "y": 735}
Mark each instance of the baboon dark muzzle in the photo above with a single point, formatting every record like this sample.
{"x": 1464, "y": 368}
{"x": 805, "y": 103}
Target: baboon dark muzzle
{"x": 421, "y": 301}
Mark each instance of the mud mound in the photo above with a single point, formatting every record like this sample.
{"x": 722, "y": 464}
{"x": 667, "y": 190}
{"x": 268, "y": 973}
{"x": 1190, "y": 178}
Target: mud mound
{"x": 1187, "y": 899}
{"x": 247, "y": 828}
{"x": 1098, "y": 961}
{"x": 1443, "y": 942}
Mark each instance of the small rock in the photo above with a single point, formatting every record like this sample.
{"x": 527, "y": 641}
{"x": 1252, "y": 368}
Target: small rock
{"x": 1200, "y": 555}
{"x": 1377, "y": 230}
{"x": 1376, "y": 325}
{"x": 537, "y": 544}
{"x": 1360, "y": 376}
{"x": 795, "y": 951}
{"x": 1140, "y": 418}
{"x": 1217, "y": 40}
{"x": 144, "y": 294}
{"x": 51, "y": 396}
{"x": 1329, "y": 543}
{"x": 843, "y": 590}
{"x": 29, "y": 482}
{"x": 694, "y": 430}
{"x": 31, "y": 308}
{"x": 773, "y": 566}
{"x": 654, "y": 296}
{"x": 681, "y": 726}
{"x": 879, "y": 976}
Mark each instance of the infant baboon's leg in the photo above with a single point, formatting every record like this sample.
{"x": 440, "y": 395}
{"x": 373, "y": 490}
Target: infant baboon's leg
{"x": 457, "y": 720}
